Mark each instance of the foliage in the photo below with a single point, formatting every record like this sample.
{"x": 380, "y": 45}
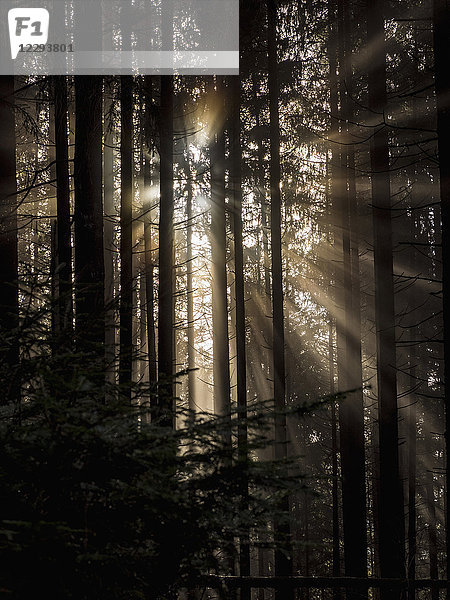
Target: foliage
{"x": 101, "y": 501}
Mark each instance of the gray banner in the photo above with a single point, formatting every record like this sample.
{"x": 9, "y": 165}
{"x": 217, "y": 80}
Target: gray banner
{"x": 89, "y": 37}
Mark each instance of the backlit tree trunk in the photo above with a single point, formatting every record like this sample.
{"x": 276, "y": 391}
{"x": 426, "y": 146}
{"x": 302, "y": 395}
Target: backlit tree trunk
{"x": 166, "y": 256}
{"x": 221, "y": 359}
{"x": 283, "y": 560}
{"x": 391, "y": 520}
{"x": 351, "y": 412}
{"x": 441, "y": 24}
{"x": 89, "y": 261}
{"x": 64, "y": 242}
{"x": 9, "y": 303}
{"x": 235, "y": 176}
{"x": 126, "y": 237}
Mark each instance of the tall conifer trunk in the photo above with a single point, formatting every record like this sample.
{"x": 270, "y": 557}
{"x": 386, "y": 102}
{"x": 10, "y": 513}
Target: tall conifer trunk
{"x": 190, "y": 294}
{"x": 391, "y": 520}
{"x": 89, "y": 260}
{"x": 9, "y": 300}
{"x": 333, "y": 190}
{"x": 149, "y": 281}
{"x": 109, "y": 243}
{"x": 412, "y": 428}
{"x": 166, "y": 256}
{"x": 351, "y": 412}
{"x": 235, "y": 176}
{"x": 441, "y": 24}
{"x": 221, "y": 359}
{"x": 126, "y": 237}
{"x": 148, "y": 237}
{"x": 283, "y": 560}
{"x": 431, "y": 516}
{"x": 64, "y": 242}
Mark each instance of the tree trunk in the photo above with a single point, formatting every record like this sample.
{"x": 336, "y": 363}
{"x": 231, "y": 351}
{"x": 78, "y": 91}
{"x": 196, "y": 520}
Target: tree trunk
{"x": 190, "y": 295}
{"x": 148, "y": 242}
{"x": 241, "y": 360}
{"x": 53, "y": 288}
{"x": 221, "y": 355}
{"x": 149, "y": 281}
{"x": 391, "y": 522}
{"x": 89, "y": 261}
{"x": 412, "y": 443}
{"x": 166, "y": 257}
{"x": 336, "y": 554}
{"x": 64, "y": 242}
{"x": 126, "y": 237}
{"x": 221, "y": 359}
{"x": 441, "y": 24}
{"x": 334, "y": 174}
{"x": 109, "y": 244}
{"x": 283, "y": 560}
{"x": 431, "y": 516}
{"x": 351, "y": 410}
{"x": 9, "y": 301}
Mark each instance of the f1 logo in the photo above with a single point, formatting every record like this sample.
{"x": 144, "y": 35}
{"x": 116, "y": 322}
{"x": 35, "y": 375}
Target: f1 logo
{"x": 27, "y": 26}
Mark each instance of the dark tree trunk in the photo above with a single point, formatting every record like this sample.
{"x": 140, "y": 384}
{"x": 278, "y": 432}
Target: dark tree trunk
{"x": 89, "y": 261}
{"x": 126, "y": 237}
{"x": 283, "y": 560}
{"x": 411, "y": 431}
{"x": 109, "y": 244}
{"x": 54, "y": 287}
{"x": 334, "y": 175}
{"x": 336, "y": 554}
{"x": 441, "y": 24}
{"x": 221, "y": 359}
{"x": 351, "y": 411}
{"x": 261, "y": 183}
{"x": 241, "y": 360}
{"x": 431, "y": 516}
{"x": 221, "y": 356}
{"x": 190, "y": 295}
{"x": 64, "y": 242}
{"x": 148, "y": 240}
{"x": 149, "y": 281}
{"x": 166, "y": 257}
{"x": 62, "y": 256}
{"x": 9, "y": 302}
{"x": 263, "y": 295}
{"x": 412, "y": 443}
{"x": 414, "y": 333}
{"x": 375, "y": 487}
{"x": 412, "y": 437}
{"x": 391, "y": 521}
{"x": 265, "y": 309}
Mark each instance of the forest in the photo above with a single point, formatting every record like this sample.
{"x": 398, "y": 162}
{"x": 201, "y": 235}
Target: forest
{"x": 225, "y": 318}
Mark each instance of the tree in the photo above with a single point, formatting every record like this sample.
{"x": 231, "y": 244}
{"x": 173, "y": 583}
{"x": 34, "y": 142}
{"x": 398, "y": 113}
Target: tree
{"x": 283, "y": 561}
{"x": 441, "y": 20}
{"x": 235, "y": 177}
{"x": 166, "y": 255}
{"x": 64, "y": 241}
{"x": 89, "y": 259}
{"x": 334, "y": 190}
{"x": 190, "y": 285}
{"x": 391, "y": 519}
{"x": 126, "y": 236}
{"x": 221, "y": 358}
{"x": 351, "y": 410}
{"x": 9, "y": 299}
{"x": 108, "y": 232}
